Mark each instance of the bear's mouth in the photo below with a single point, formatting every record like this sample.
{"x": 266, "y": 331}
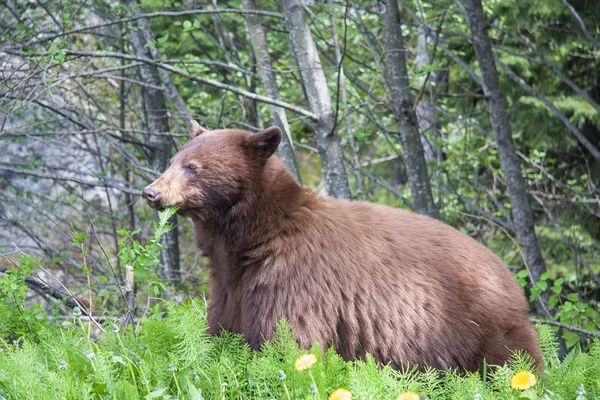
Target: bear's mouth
{"x": 152, "y": 197}
{"x": 157, "y": 207}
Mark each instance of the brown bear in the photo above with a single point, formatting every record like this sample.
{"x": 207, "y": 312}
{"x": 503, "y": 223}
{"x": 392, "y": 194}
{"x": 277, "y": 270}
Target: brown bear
{"x": 362, "y": 277}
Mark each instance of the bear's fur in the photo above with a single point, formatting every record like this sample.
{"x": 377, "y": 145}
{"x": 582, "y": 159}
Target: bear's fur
{"x": 362, "y": 277}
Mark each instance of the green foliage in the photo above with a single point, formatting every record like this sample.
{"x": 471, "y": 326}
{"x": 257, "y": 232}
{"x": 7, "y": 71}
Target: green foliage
{"x": 145, "y": 259}
{"x": 570, "y": 309}
{"x": 19, "y": 320}
{"x": 172, "y": 357}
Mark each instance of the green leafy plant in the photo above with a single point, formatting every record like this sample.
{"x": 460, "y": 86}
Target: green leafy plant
{"x": 18, "y": 319}
{"x": 145, "y": 258}
{"x": 570, "y": 309}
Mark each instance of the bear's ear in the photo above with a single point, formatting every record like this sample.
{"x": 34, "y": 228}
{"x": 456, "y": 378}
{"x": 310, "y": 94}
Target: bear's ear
{"x": 195, "y": 129}
{"x": 265, "y": 142}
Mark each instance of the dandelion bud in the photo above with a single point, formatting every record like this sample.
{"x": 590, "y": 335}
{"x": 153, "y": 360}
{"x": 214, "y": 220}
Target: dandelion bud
{"x": 281, "y": 375}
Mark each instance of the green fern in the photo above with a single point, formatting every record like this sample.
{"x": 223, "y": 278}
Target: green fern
{"x": 174, "y": 357}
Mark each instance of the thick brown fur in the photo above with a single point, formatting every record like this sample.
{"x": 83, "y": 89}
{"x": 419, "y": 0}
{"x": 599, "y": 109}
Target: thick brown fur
{"x": 362, "y": 277}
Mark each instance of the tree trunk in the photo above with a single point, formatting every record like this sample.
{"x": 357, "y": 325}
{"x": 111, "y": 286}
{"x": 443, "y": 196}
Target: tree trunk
{"x": 344, "y": 97}
{"x": 509, "y": 161}
{"x": 425, "y": 109}
{"x": 416, "y": 168}
{"x": 161, "y": 144}
{"x": 315, "y": 87}
{"x": 266, "y": 73}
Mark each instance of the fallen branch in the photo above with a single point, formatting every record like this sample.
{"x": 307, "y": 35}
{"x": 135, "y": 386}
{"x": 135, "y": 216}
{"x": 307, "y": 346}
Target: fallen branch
{"x": 39, "y": 286}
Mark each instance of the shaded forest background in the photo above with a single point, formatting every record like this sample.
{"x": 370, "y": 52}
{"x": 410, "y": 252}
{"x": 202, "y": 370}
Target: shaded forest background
{"x": 485, "y": 115}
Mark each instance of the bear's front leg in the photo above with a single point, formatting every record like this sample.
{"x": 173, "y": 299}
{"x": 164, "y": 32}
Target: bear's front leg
{"x": 264, "y": 306}
{"x": 217, "y": 305}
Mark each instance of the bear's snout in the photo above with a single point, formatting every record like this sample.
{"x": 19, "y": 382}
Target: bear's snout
{"x": 151, "y": 196}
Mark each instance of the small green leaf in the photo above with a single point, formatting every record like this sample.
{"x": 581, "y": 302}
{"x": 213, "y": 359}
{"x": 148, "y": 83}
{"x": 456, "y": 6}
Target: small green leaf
{"x": 545, "y": 276}
{"x": 573, "y": 296}
{"x": 552, "y": 301}
{"x": 162, "y": 39}
{"x": 118, "y": 360}
{"x": 78, "y": 238}
{"x": 522, "y": 273}
{"x": 527, "y": 395}
{"x": 156, "y": 394}
{"x": 195, "y": 394}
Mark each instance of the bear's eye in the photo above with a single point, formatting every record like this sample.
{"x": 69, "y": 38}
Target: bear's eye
{"x": 191, "y": 167}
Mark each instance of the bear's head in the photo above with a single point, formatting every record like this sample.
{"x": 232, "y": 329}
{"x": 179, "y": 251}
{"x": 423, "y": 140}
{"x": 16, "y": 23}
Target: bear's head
{"x": 213, "y": 170}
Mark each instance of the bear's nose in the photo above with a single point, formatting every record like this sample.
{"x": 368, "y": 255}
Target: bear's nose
{"x": 151, "y": 196}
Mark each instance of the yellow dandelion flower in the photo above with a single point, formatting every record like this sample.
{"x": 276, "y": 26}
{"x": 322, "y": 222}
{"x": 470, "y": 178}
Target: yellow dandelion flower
{"x": 305, "y": 362}
{"x": 408, "y": 396}
{"x": 522, "y": 380}
{"x": 340, "y": 394}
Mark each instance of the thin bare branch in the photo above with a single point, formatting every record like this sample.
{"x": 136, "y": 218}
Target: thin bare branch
{"x": 581, "y": 24}
{"x": 563, "y": 118}
{"x": 153, "y": 15}
{"x": 80, "y": 180}
{"x": 567, "y": 327}
{"x": 207, "y": 81}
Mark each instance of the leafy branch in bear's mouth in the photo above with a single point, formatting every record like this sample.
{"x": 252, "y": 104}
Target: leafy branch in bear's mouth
{"x": 144, "y": 259}
{"x": 162, "y": 226}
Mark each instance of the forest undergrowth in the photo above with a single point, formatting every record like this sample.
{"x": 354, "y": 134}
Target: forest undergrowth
{"x": 169, "y": 356}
